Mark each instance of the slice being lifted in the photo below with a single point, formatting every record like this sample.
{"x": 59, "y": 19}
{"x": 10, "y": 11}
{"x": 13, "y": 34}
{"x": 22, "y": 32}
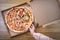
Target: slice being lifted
{"x": 19, "y": 19}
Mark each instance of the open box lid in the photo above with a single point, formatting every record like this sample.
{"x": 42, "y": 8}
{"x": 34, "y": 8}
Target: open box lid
{"x": 4, "y": 4}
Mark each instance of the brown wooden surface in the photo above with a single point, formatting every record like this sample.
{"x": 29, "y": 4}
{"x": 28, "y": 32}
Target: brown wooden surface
{"x": 51, "y": 31}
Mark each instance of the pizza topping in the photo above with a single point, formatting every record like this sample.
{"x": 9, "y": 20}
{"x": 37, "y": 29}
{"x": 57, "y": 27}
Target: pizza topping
{"x": 19, "y": 18}
{"x": 20, "y": 12}
{"x": 26, "y": 18}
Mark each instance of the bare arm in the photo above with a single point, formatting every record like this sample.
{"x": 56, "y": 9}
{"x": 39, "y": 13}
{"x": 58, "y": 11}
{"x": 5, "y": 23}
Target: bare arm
{"x": 38, "y": 36}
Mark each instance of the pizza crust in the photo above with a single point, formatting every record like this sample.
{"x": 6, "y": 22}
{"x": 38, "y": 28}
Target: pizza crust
{"x": 26, "y": 25}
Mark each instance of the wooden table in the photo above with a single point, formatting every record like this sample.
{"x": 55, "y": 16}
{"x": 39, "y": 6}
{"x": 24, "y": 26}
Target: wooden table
{"x": 52, "y": 31}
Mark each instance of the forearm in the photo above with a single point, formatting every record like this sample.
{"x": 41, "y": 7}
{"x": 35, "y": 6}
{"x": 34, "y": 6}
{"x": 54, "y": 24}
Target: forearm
{"x": 39, "y": 36}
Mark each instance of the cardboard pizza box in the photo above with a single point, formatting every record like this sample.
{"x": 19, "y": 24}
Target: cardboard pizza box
{"x": 4, "y": 8}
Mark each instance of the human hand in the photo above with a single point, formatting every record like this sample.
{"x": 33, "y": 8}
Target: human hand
{"x": 31, "y": 29}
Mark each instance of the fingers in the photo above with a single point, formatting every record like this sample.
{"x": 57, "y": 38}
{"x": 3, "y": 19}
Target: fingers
{"x": 31, "y": 27}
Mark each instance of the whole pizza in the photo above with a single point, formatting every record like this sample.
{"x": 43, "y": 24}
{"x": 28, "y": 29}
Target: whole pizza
{"x": 19, "y": 19}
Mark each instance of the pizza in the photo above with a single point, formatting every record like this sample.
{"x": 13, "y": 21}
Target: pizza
{"x": 19, "y": 19}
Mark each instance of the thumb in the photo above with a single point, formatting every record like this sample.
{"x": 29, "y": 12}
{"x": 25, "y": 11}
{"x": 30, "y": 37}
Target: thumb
{"x": 30, "y": 29}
